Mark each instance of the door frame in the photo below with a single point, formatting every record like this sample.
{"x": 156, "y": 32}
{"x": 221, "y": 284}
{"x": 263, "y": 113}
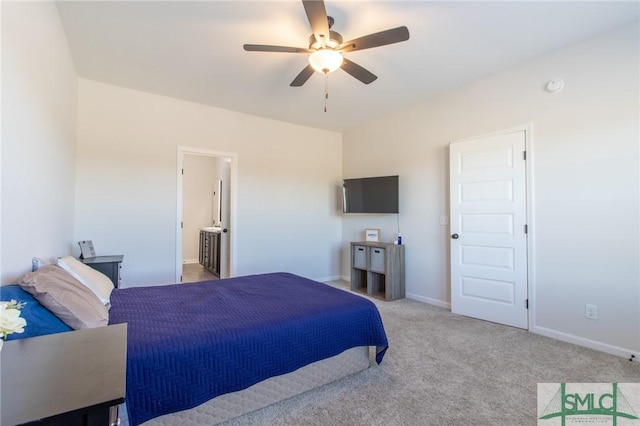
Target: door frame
{"x": 530, "y": 211}
{"x": 233, "y": 171}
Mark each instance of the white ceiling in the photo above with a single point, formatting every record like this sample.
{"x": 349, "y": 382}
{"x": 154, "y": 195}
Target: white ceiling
{"x": 193, "y": 50}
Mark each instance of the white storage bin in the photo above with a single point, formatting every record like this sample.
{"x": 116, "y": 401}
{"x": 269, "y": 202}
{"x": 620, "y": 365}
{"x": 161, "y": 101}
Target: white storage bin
{"x": 360, "y": 257}
{"x": 377, "y": 259}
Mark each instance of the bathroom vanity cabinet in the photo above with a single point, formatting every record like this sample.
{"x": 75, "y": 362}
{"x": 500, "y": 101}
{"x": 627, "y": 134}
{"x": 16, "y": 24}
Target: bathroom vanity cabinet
{"x": 209, "y": 253}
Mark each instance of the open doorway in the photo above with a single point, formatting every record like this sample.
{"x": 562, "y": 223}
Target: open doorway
{"x": 204, "y": 214}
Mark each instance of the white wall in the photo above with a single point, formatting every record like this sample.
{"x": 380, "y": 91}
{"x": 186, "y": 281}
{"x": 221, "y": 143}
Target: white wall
{"x": 39, "y": 93}
{"x": 286, "y": 212}
{"x": 585, "y": 163}
{"x": 199, "y": 184}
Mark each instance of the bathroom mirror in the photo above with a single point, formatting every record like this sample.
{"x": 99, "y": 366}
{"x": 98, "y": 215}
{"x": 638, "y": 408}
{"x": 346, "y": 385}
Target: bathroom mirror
{"x": 218, "y": 205}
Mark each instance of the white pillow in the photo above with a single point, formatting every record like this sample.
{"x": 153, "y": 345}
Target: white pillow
{"x": 97, "y": 282}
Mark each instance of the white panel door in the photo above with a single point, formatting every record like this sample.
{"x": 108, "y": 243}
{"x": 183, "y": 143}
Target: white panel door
{"x": 225, "y": 210}
{"x": 488, "y": 238}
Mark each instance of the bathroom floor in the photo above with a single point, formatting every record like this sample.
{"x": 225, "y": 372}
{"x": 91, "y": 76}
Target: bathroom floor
{"x": 194, "y": 272}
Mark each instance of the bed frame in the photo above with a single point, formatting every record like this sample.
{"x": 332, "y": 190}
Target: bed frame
{"x": 227, "y": 406}
{"x": 274, "y": 389}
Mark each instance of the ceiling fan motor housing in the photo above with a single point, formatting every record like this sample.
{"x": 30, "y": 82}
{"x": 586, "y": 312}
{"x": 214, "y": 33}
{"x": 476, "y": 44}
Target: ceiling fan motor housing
{"x": 333, "y": 43}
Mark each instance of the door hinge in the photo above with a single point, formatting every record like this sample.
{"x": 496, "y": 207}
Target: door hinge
{"x": 524, "y": 155}
{"x": 181, "y": 225}
{"x": 526, "y": 229}
{"x": 182, "y": 171}
{"x": 180, "y": 278}
{"x": 527, "y": 303}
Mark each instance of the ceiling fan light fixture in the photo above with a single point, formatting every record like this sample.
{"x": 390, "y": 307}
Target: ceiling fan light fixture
{"x": 325, "y": 60}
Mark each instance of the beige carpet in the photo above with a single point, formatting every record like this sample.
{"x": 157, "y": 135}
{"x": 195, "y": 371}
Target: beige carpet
{"x": 446, "y": 369}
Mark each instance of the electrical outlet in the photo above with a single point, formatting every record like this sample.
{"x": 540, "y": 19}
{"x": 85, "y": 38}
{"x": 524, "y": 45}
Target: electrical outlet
{"x": 281, "y": 267}
{"x": 591, "y": 312}
{"x": 444, "y": 220}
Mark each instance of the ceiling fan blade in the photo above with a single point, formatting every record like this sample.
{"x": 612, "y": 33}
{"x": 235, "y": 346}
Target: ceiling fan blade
{"x": 358, "y": 72}
{"x": 281, "y": 49}
{"x": 394, "y": 35}
{"x": 317, "y": 15}
{"x": 303, "y": 76}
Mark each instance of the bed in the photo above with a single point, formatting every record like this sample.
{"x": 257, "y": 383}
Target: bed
{"x": 207, "y": 352}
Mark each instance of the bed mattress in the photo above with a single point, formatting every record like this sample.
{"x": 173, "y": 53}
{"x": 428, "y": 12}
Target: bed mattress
{"x": 190, "y": 343}
{"x": 269, "y": 391}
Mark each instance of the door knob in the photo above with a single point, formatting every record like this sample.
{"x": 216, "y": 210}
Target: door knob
{"x": 454, "y": 236}
{"x": 224, "y": 230}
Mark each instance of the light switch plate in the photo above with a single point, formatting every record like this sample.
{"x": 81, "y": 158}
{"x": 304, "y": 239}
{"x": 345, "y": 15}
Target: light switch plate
{"x": 444, "y": 220}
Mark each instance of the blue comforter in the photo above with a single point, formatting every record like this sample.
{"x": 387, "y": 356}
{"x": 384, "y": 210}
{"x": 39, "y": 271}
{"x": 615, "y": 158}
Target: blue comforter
{"x": 189, "y": 343}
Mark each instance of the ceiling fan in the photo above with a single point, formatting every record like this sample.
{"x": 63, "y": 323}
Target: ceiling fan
{"x": 326, "y": 47}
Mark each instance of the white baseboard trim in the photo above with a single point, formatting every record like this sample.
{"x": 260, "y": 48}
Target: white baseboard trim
{"x": 429, "y": 300}
{"x": 588, "y": 343}
{"x": 411, "y": 296}
{"x": 327, "y": 279}
{"x": 185, "y": 261}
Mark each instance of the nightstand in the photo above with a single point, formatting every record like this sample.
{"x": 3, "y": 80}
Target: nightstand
{"x": 75, "y": 378}
{"x": 108, "y": 265}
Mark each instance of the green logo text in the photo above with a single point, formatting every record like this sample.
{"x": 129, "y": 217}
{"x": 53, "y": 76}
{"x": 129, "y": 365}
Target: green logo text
{"x": 613, "y": 404}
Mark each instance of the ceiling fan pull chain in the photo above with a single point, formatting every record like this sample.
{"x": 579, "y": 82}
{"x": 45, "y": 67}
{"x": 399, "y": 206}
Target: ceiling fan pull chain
{"x": 326, "y": 90}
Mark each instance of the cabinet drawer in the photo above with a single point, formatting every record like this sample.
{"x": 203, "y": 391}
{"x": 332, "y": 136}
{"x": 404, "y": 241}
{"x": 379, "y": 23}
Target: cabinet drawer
{"x": 377, "y": 259}
{"x": 359, "y": 257}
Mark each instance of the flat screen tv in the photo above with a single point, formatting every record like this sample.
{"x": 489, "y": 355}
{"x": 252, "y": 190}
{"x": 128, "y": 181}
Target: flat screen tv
{"x": 370, "y": 195}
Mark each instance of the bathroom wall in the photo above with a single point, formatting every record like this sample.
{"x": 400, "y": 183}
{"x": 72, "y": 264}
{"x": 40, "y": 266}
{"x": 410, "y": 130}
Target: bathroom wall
{"x": 199, "y": 184}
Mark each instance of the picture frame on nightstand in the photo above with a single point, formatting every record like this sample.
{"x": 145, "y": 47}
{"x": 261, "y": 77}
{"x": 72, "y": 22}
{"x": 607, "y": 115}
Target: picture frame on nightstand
{"x": 86, "y": 249}
{"x": 372, "y": 235}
